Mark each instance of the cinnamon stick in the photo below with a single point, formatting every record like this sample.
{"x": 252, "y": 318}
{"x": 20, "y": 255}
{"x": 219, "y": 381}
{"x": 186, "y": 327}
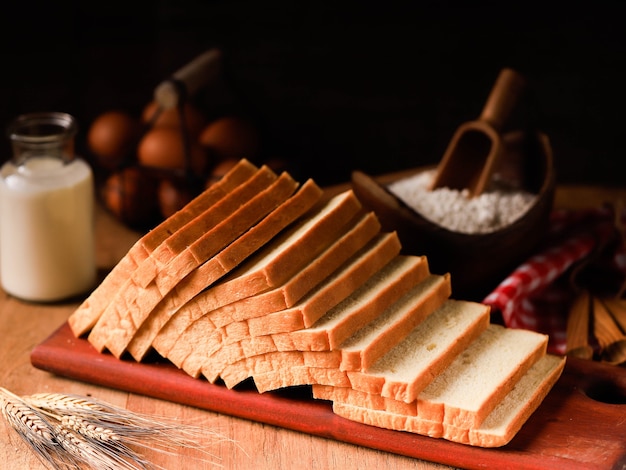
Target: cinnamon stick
{"x": 609, "y": 334}
{"x": 617, "y": 307}
{"x": 577, "y": 332}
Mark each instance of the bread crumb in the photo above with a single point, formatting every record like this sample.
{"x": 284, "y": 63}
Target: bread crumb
{"x": 455, "y": 211}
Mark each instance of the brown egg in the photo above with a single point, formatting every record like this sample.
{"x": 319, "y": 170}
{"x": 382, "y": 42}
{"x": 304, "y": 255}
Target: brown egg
{"x": 112, "y": 137}
{"x": 173, "y": 196}
{"x": 162, "y": 147}
{"x": 194, "y": 120}
{"x": 220, "y": 169}
{"x": 230, "y": 137}
{"x": 130, "y": 195}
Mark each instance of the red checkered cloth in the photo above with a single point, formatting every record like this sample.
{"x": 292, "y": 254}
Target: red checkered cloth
{"x": 538, "y": 294}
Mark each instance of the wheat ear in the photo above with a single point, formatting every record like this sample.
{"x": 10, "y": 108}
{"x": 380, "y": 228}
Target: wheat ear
{"x": 34, "y": 429}
{"x": 121, "y": 424}
{"x": 74, "y": 432}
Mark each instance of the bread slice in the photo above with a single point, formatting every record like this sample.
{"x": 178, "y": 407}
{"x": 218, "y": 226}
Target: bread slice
{"x": 362, "y": 306}
{"x": 123, "y": 300}
{"x": 222, "y": 263}
{"x": 88, "y": 312}
{"x": 513, "y": 411}
{"x": 477, "y": 380}
{"x": 192, "y": 358}
{"x": 496, "y": 430}
{"x": 197, "y": 252}
{"x": 367, "y": 345}
{"x": 358, "y": 232}
{"x": 403, "y": 372}
{"x": 285, "y": 256}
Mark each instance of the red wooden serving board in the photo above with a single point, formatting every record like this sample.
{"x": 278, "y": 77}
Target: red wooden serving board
{"x": 580, "y": 424}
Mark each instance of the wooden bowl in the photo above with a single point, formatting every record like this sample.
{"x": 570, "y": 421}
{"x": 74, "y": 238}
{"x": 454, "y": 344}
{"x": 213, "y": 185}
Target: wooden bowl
{"x": 477, "y": 262}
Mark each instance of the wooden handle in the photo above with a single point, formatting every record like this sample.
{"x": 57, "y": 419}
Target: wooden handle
{"x": 503, "y": 98}
{"x": 193, "y": 76}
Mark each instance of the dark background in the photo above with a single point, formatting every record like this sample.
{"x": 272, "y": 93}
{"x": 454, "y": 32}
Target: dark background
{"x": 336, "y": 86}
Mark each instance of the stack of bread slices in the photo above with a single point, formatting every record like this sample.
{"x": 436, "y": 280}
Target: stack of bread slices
{"x": 261, "y": 277}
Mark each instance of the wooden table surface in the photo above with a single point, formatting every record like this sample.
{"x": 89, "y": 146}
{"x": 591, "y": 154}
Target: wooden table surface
{"x": 252, "y": 445}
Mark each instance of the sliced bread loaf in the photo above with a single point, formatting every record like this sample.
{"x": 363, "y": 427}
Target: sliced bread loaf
{"x": 252, "y": 281}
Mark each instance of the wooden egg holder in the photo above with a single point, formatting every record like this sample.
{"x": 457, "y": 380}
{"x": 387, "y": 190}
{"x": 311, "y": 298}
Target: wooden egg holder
{"x": 173, "y": 93}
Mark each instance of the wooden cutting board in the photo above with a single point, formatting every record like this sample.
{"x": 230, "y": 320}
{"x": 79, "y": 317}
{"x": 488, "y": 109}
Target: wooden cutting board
{"x": 580, "y": 424}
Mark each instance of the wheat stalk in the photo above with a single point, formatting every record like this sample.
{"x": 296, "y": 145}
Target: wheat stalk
{"x": 122, "y": 424}
{"x": 74, "y": 432}
{"x": 34, "y": 429}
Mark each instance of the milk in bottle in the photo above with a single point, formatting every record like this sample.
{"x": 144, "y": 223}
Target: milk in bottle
{"x": 46, "y": 212}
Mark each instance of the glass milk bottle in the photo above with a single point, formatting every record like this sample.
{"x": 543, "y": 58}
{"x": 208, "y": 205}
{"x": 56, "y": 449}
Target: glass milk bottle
{"x": 46, "y": 212}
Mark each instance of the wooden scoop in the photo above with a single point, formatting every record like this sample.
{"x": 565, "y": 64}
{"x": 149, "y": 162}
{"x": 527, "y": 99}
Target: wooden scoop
{"x": 471, "y": 156}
